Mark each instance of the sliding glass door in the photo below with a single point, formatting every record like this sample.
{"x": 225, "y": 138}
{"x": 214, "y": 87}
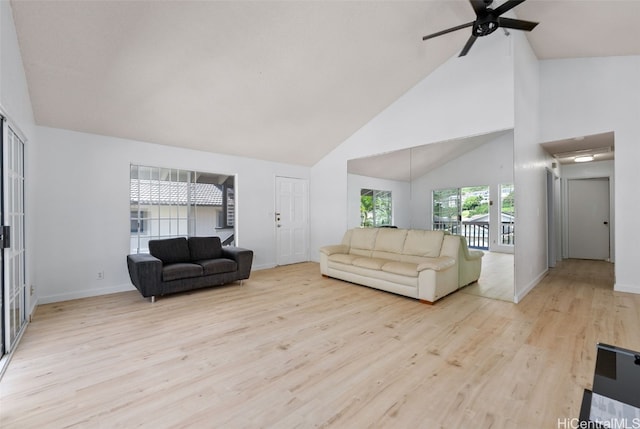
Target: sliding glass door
{"x": 447, "y": 210}
{"x": 14, "y": 289}
{"x": 463, "y": 211}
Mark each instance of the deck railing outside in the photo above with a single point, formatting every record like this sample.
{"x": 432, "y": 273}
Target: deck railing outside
{"x": 477, "y": 233}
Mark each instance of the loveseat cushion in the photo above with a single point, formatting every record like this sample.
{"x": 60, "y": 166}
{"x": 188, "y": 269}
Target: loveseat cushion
{"x": 170, "y": 250}
{"x": 180, "y": 271}
{"x": 218, "y": 266}
{"x": 202, "y": 248}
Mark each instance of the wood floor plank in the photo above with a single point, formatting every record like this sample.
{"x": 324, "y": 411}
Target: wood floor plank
{"x": 290, "y": 348}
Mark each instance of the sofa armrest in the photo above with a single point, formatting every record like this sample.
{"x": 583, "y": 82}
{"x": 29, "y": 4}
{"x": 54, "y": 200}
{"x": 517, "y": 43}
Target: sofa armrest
{"x": 337, "y": 248}
{"x": 437, "y": 264}
{"x": 243, "y": 257}
{"x": 145, "y": 272}
{"x": 472, "y": 255}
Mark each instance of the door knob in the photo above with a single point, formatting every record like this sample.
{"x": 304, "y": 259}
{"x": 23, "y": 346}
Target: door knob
{"x": 606, "y": 223}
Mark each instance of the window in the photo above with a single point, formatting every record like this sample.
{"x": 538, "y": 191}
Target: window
{"x": 375, "y": 208}
{"x": 167, "y": 202}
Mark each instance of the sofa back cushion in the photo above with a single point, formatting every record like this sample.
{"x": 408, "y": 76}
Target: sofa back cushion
{"x": 202, "y": 248}
{"x": 170, "y": 250}
{"x": 423, "y": 243}
{"x": 362, "y": 241}
{"x": 389, "y": 243}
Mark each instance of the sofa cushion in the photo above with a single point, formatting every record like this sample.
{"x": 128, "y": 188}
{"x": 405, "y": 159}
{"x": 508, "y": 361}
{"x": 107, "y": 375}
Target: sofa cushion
{"x": 390, "y": 240}
{"x": 180, "y": 271}
{"x": 218, "y": 266}
{"x": 362, "y": 241}
{"x": 343, "y": 258}
{"x": 170, "y": 250}
{"x": 423, "y": 243}
{"x": 370, "y": 263}
{"x": 202, "y": 248}
{"x": 401, "y": 268}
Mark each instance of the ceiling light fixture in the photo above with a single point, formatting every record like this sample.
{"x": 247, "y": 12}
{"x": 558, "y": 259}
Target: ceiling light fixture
{"x": 587, "y": 158}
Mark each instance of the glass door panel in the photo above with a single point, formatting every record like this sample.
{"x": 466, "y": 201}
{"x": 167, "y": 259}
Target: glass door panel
{"x": 507, "y": 214}
{"x": 13, "y": 252}
{"x": 447, "y": 210}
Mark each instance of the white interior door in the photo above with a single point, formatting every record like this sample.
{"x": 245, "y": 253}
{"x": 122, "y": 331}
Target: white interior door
{"x": 588, "y": 218}
{"x": 292, "y": 220}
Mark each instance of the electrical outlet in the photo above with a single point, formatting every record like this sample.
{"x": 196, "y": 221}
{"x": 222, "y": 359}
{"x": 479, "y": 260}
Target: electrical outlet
{"x": 100, "y": 275}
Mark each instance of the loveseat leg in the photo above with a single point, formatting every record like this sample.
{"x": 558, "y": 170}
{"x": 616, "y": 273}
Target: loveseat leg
{"x": 153, "y": 299}
{"x": 424, "y": 301}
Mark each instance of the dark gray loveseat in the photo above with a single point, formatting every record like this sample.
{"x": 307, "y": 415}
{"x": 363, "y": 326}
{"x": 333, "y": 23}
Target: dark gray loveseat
{"x": 181, "y": 264}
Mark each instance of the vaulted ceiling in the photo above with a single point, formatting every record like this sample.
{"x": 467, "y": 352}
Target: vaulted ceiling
{"x": 284, "y": 81}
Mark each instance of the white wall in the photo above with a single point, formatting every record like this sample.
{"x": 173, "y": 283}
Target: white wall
{"x": 464, "y": 97}
{"x": 16, "y": 106}
{"x": 84, "y": 194}
{"x": 488, "y": 165}
{"x": 400, "y": 209}
{"x": 588, "y": 170}
{"x": 594, "y": 95}
{"x": 530, "y": 172}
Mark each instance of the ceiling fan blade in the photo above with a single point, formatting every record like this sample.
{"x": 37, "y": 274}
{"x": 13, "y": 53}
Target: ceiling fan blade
{"x": 508, "y": 5}
{"x": 479, "y": 6}
{"x": 517, "y": 24}
{"x": 440, "y": 33}
{"x": 468, "y": 46}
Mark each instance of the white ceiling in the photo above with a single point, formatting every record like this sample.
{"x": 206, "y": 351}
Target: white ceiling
{"x": 282, "y": 81}
{"x": 600, "y": 146}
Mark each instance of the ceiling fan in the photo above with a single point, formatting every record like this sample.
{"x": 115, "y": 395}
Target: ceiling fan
{"x": 487, "y": 21}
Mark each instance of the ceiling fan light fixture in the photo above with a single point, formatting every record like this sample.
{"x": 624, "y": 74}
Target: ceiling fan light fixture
{"x": 585, "y": 158}
{"x": 487, "y": 21}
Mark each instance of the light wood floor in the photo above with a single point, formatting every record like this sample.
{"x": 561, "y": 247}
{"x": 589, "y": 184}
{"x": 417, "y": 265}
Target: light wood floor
{"x": 496, "y": 277}
{"x": 291, "y": 349}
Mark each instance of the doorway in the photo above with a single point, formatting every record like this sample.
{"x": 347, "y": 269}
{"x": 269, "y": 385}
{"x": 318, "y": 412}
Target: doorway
{"x": 588, "y": 214}
{"x": 292, "y": 220}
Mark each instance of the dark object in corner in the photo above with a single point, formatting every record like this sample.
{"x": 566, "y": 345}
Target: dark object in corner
{"x": 181, "y": 264}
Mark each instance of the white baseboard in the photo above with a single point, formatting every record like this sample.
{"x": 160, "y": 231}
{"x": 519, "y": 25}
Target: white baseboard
{"x": 262, "y": 267}
{"x": 85, "y": 293}
{"x": 521, "y": 294}
{"x": 34, "y": 301}
{"x": 626, "y": 288}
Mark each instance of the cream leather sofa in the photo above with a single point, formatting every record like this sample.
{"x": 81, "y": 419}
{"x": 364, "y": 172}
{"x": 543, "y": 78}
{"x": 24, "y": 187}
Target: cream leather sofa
{"x": 422, "y": 264}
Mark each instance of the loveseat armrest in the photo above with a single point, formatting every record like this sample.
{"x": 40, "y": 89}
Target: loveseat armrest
{"x": 145, "y": 272}
{"x": 336, "y": 248}
{"x": 243, "y": 257}
{"x": 437, "y": 264}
